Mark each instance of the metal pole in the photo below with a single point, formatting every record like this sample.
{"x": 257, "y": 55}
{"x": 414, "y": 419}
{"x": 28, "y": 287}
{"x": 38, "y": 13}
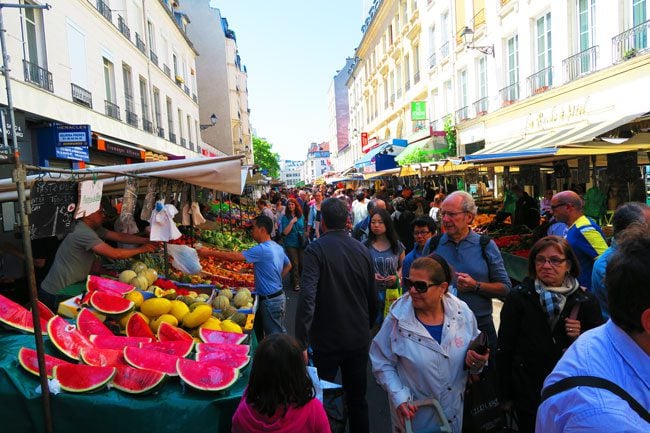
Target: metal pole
{"x": 19, "y": 177}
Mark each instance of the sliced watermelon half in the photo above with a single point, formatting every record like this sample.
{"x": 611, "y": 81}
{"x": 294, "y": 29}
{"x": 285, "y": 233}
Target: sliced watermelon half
{"x": 44, "y": 313}
{"x": 206, "y": 377}
{"x": 28, "y": 359}
{"x": 137, "y": 381}
{"x": 102, "y": 357}
{"x": 82, "y": 378}
{"x": 180, "y": 348}
{"x": 137, "y": 326}
{"x": 108, "y": 285}
{"x": 89, "y": 324}
{"x": 240, "y": 349}
{"x": 151, "y": 360}
{"x": 18, "y": 317}
{"x": 224, "y": 358}
{"x": 117, "y": 342}
{"x": 109, "y": 303}
{"x": 213, "y": 336}
{"x": 66, "y": 337}
{"x": 168, "y": 332}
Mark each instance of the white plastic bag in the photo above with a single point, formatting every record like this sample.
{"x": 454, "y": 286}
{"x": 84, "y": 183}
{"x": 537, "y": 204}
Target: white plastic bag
{"x": 186, "y": 259}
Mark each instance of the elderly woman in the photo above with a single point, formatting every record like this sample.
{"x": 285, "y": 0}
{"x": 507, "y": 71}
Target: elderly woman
{"x": 539, "y": 321}
{"x": 421, "y": 350}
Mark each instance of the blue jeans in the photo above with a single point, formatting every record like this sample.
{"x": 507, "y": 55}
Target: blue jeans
{"x": 270, "y": 316}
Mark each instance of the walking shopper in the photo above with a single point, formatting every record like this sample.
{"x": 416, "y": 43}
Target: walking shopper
{"x": 293, "y": 229}
{"x": 540, "y": 319}
{"x": 337, "y": 307}
{"x": 424, "y": 228}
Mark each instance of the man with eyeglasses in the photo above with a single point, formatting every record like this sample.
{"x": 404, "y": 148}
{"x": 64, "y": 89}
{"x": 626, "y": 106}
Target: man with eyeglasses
{"x": 423, "y": 228}
{"x": 584, "y": 235}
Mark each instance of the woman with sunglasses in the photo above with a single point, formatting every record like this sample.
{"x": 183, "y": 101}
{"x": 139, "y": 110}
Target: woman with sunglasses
{"x": 539, "y": 321}
{"x": 421, "y": 350}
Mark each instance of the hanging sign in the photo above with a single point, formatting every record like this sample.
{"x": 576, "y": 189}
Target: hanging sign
{"x": 90, "y": 197}
{"x": 419, "y": 110}
{"x": 52, "y": 208}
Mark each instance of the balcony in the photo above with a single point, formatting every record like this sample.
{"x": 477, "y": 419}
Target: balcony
{"x": 123, "y": 28}
{"x": 112, "y": 110}
{"x": 540, "y": 81}
{"x": 105, "y": 10}
{"x": 186, "y": 90}
{"x": 131, "y": 118}
{"x": 416, "y": 78}
{"x": 580, "y": 64}
{"x": 140, "y": 44}
{"x": 432, "y": 61}
{"x": 81, "y": 96}
{"x": 183, "y": 142}
{"x": 444, "y": 50}
{"x": 172, "y": 137}
{"x": 167, "y": 71}
{"x": 509, "y": 94}
{"x": 407, "y": 86}
{"x": 630, "y": 43}
{"x": 147, "y": 125}
{"x": 462, "y": 114}
{"x": 161, "y": 132}
{"x": 36, "y": 75}
{"x": 153, "y": 57}
{"x": 481, "y": 107}
{"x": 191, "y": 146}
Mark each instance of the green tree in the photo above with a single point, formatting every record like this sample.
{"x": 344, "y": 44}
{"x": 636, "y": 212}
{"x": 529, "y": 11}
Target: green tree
{"x": 450, "y": 137}
{"x": 265, "y": 157}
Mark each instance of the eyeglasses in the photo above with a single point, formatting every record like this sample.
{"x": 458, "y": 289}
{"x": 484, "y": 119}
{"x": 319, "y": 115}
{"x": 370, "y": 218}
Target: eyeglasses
{"x": 422, "y": 233}
{"x": 554, "y": 261}
{"x": 419, "y": 286}
{"x": 444, "y": 213}
{"x": 380, "y": 222}
{"x": 555, "y": 206}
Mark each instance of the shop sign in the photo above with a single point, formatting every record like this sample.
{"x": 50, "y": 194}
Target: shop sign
{"x": 19, "y": 124}
{"x": 74, "y": 153}
{"x": 371, "y": 143}
{"x": 72, "y": 135}
{"x": 418, "y": 110}
{"x": 558, "y": 115}
{"x": 116, "y": 149}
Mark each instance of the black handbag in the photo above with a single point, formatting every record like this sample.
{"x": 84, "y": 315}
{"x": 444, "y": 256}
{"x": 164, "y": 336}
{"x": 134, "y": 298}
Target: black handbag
{"x": 482, "y": 412}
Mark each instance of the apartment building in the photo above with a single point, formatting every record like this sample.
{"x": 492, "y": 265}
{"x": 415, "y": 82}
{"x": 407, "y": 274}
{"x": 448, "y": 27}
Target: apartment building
{"x": 120, "y": 74}
{"x": 339, "y": 118}
{"x": 291, "y": 172}
{"x": 223, "y": 81}
{"x": 317, "y": 163}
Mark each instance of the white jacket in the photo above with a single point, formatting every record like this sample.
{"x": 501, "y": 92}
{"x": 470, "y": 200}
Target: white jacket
{"x": 410, "y": 365}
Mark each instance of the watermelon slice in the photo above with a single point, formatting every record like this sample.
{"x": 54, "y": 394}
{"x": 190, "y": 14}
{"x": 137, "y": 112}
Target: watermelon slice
{"x": 151, "y": 360}
{"x": 117, "y": 342}
{"x": 224, "y": 358}
{"x": 205, "y": 377}
{"x": 66, "y": 337}
{"x": 82, "y": 378}
{"x": 212, "y": 336}
{"x": 102, "y": 357}
{"x": 135, "y": 380}
{"x": 44, "y": 313}
{"x": 108, "y": 285}
{"x": 108, "y": 303}
{"x": 239, "y": 349}
{"x": 28, "y": 359}
{"x": 180, "y": 348}
{"x": 168, "y": 332}
{"x": 137, "y": 326}
{"x": 18, "y": 317}
{"x": 89, "y": 324}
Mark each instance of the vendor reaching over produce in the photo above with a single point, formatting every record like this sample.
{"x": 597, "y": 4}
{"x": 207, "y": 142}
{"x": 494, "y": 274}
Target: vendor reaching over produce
{"x": 270, "y": 265}
{"x": 76, "y": 254}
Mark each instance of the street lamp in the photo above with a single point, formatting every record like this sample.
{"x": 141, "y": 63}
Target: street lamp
{"x": 468, "y": 37}
{"x": 213, "y": 121}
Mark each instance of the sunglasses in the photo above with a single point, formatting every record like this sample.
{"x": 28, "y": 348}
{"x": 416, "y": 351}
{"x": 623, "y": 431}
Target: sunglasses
{"x": 419, "y": 286}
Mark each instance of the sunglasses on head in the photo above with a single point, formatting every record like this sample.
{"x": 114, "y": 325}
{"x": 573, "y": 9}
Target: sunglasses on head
{"x": 419, "y": 286}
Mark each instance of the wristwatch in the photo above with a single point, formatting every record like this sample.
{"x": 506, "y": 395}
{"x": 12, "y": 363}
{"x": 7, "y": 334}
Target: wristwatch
{"x": 477, "y": 288}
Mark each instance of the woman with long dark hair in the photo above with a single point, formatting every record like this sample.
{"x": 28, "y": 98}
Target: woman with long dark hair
{"x": 293, "y": 229}
{"x": 280, "y": 394}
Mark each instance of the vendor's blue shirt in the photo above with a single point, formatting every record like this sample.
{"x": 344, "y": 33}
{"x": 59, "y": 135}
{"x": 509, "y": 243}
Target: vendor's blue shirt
{"x": 467, "y": 257}
{"x": 598, "y": 279}
{"x": 268, "y": 259}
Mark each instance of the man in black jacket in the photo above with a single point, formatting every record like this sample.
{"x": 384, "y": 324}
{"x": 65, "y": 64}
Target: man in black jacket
{"x": 337, "y": 307}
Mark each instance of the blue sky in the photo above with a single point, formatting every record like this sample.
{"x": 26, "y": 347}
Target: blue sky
{"x": 292, "y": 50}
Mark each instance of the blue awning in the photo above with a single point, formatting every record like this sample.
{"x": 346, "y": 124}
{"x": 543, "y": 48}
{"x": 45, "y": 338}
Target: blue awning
{"x": 396, "y": 145}
{"x": 512, "y": 156}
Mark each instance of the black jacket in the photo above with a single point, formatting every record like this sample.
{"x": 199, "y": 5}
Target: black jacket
{"x": 529, "y": 348}
{"x": 337, "y": 304}
{"x": 526, "y": 212}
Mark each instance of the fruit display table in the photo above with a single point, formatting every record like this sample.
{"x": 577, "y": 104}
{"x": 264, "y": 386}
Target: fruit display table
{"x": 172, "y": 408}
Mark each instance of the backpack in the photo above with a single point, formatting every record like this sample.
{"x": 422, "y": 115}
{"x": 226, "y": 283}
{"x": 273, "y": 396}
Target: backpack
{"x": 483, "y": 241}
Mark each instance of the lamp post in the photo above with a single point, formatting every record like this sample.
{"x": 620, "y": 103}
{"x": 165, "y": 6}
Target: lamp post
{"x": 468, "y": 37}
{"x": 213, "y": 121}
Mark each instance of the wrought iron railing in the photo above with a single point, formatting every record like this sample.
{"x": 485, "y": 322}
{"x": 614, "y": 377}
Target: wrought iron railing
{"x": 81, "y": 96}
{"x": 123, "y": 28}
{"x": 432, "y": 60}
{"x": 191, "y": 146}
{"x": 509, "y": 94}
{"x": 154, "y": 57}
{"x": 131, "y": 118}
{"x": 407, "y": 86}
{"x": 195, "y": 98}
{"x": 444, "y": 50}
{"x": 481, "y": 107}
{"x": 462, "y": 114}
{"x": 186, "y": 89}
{"x": 183, "y": 142}
{"x": 105, "y": 10}
{"x": 36, "y": 75}
{"x": 112, "y": 110}
{"x": 172, "y": 137}
{"x": 580, "y": 64}
{"x": 139, "y": 42}
{"x": 161, "y": 132}
{"x": 631, "y": 42}
{"x": 540, "y": 81}
{"x": 147, "y": 125}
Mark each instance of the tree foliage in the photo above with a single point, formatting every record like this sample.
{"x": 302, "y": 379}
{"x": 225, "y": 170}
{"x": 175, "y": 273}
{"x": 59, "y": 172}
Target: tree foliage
{"x": 265, "y": 157}
{"x": 450, "y": 137}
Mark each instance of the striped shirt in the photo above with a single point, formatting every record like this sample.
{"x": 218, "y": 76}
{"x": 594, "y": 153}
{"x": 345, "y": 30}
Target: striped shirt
{"x": 588, "y": 242}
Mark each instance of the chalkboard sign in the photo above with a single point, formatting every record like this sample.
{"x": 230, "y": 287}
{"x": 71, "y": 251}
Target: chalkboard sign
{"x": 53, "y": 205}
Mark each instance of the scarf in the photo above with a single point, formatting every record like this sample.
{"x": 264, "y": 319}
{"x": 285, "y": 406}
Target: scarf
{"x": 553, "y": 299}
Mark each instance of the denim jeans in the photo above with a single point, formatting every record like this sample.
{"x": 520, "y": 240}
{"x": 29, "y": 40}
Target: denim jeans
{"x": 270, "y": 317}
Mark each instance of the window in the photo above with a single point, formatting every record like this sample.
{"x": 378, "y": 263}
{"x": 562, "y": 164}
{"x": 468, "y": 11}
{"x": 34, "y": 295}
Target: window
{"x": 175, "y": 64}
{"x": 156, "y": 108}
{"x": 448, "y": 95}
{"x": 543, "y": 42}
{"x": 639, "y": 16}
{"x": 77, "y": 56}
{"x": 109, "y": 81}
{"x": 398, "y": 80}
{"x": 170, "y": 120}
{"x": 432, "y": 46}
{"x": 189, "y": 131}
{"x": 416, "y": 60}
{"x": 152, "y": 36}
{"x": 444, "y": 28}
{"x": 128, "y": 89}
{"x": 386, "y": 100}
{"x": 34, "y": 37}
{"x": 407, "y": 72}
{"x": 144, "y": 99}
{"x": 462, "y": 94}
{"x": 586, "y": 24}
{"x": 180, "y": 124}
{"x": 512, "y": 47}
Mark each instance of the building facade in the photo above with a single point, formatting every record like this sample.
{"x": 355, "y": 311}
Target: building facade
{"x": 318, "y": 162}
{"x": 339, "y": 116}
{"x": 222, "y": 81}
{"x": 291, "y": 172}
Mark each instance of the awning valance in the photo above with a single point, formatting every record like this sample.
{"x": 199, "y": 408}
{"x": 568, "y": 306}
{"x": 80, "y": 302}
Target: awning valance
{"x": 376, "y": 174}
{"x": 391, "y": 148}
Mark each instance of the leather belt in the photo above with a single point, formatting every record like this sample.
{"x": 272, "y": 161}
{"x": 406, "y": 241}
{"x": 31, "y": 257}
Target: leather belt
{"x": 271, "y": 296}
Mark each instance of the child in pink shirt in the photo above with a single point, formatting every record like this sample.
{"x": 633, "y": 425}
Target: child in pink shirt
{"x": 280, "y": 394}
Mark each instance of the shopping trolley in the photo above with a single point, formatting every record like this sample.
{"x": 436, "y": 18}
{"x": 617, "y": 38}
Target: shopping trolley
{"x": 443, "y": 427}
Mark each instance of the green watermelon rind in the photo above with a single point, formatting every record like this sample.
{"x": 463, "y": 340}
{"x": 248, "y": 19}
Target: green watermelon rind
{"x": 91, "y": 356}
{"x": 24, "y": 325}
{"x": 182, "y": 368}
{"x": 231, "y": 337}
{"x": 165, "y": 330}
{"x": 27, "y": 360}
{"x": 240, "y": 349}
{"x": 97, "y": 384}
{"x": 71, "y": 352}
{"x": 93, "y": 282}
{"x": 163, "y": 346}
{"x": 92, "y": 320}
{"x": 136, "y": 326}
{"x": 99, "y": 301}
{"x": 146, "y": 359}
{"x": 132, "y": 389}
